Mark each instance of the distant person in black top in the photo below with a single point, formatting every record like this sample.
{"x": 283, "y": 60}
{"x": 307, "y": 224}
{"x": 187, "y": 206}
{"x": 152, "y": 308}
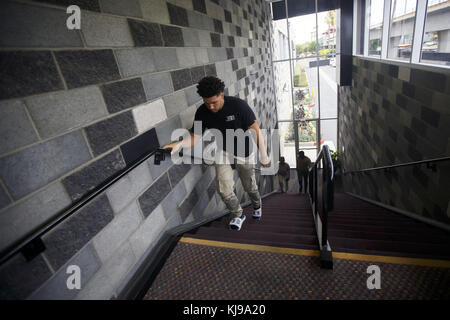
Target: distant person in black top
{"x": 284, "y": 173}
{"x": 224, "y": 112}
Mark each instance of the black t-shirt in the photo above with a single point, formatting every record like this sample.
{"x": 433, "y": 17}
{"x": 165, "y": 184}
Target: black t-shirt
{"x": 235, "y": 114}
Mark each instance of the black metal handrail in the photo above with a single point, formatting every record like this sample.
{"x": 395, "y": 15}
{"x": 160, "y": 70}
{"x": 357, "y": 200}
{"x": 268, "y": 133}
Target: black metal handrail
{"x": 428, "y": 162}
{"x": 31, "y": 245}
{"x": 326, "y": 204}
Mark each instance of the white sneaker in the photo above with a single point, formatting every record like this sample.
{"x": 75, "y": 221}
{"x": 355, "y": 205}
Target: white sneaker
{"x": 236, "y": 223}
{"x": 257, "y": 213}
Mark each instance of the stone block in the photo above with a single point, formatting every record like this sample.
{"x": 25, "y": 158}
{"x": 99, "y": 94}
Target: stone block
{"x": 217, "y": 54}
{"x": 109, "y": 133}
{"x": 126, "y": 190}
{"x": 140, "y": 146}
{"x": 215, "y": 40}
{"x": 135, "y": 61}
{"x": 108, "y": 241}
{"x": 148, "y": 115}
{"x": 172, "y": 36}
{"x": 24, "y": 217}
{"x": 19, "y": 278}
{"x": 88, "y": 178}
{"x": 59, "y": 112}
{"x": 157, "y": 170}
{"x": 192, "y": 96}
{"x": 165, "y": 58}
{"x": 175, "y": 103}
{"x": 191, "y": 38}
{"x": 192, "y": 177}
{"x": 177, "y": 15}
{"x": 194, "y": 20}
{"x": 177, "y": 172}
{"x": 21, "y": 68}
{"x": 183, "y": 4}
{"x": 91, "y": 5}
{"x": 200, "y": 6}
{"x": 188, "y": 204}
{"x": 101, "y": 30}
{"x": 197, "y": 74}
{"x": 157, "y": 85}
{"x": 148, "y": 232}
{"x": 145, "y": 34}
{"x": 122, "y": 95}
{"x": 153, "y": 196}
{"x": 205, "y": 39}
{"x": 210, "y": 70}
{"x": 85, "y": 67}
{"x": 187, "y": 117}
{"x": 201, "y": 55}
{"x": 130, "y": 8}
{"x": 16, "y": 129}
{"x": 30, "y": 26}
{"x": 155, "y": 11}
{"x": 65, "y": 240}
{"x": 106, "y": 280}
{"x": 172, "y": 200}
{"x": 30, "y": 169}
{"x": 56, "y": 287}
{"x": 181, "y": 79}
{"x": 164, "y": 129}
{"x": 186, "y": 57}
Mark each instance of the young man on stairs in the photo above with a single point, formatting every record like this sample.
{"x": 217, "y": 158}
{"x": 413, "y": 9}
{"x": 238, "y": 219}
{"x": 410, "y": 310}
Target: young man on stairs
{"x": 225, "y": 112}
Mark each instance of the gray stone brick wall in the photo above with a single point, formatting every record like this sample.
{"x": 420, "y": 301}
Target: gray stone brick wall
{"x": 78, "y": 106}
{"x": 394, "y": 114}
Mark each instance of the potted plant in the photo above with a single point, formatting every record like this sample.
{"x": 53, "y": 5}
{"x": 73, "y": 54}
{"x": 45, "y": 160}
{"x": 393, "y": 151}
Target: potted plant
{"x": 336, "y": 161}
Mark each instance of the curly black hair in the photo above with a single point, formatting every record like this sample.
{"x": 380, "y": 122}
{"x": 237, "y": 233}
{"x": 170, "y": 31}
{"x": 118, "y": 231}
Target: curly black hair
{"x": 210, "y": 86}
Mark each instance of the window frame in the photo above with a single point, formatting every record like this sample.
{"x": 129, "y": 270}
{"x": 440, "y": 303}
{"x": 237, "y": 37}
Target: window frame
{"x": 417, "y": 39}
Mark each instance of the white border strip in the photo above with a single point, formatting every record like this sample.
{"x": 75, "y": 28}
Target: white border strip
{"x": 386, "y": 27}
{"x": 419, "y": 26}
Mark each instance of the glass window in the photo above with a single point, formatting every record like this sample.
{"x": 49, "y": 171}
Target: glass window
{"x": 287, "y": 142}
{"x": 328, "y": 131}
{"x": 359, "y": 25}
{"x": 375, "y": 27}
{"x": 436, "y": 37}
{"x": 328, "y": 88}
{"x": 305, "y": 88}
{"x": 401, "y": 29}
{"x": 327, "y": 32}
{"x": 283, "y": 89}
{"x": 307, "y": 138}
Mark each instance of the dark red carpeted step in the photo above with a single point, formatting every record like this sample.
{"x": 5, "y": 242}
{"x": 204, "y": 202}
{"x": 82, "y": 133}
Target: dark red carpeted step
{"x": 358, "y": 226}
{"x": 417, "y": 232}
{"x": 244, "y": 233}
{"x": 381, "y": 235}
{"x": 389, "y": 246}
{"x": 286, "y": 220}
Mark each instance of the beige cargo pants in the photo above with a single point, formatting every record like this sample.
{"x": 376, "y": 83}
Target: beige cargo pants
{"x": 225, "y": 184}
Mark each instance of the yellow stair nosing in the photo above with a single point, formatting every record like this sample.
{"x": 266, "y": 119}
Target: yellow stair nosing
{"x": 316, "y": 253}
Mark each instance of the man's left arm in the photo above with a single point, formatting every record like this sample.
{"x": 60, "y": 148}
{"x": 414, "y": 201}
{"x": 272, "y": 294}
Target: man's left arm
{"x": 260, "y": 143}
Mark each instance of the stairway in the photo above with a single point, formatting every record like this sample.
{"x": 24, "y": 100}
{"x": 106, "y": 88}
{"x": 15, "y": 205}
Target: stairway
{"x": 357, "y": 226}
{"x": 286, "y": 222}
{"x": 354, "y": 226}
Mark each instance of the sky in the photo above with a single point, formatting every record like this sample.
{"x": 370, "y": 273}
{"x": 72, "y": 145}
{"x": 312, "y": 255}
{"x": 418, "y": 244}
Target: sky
{"x": 302, "y": 26}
